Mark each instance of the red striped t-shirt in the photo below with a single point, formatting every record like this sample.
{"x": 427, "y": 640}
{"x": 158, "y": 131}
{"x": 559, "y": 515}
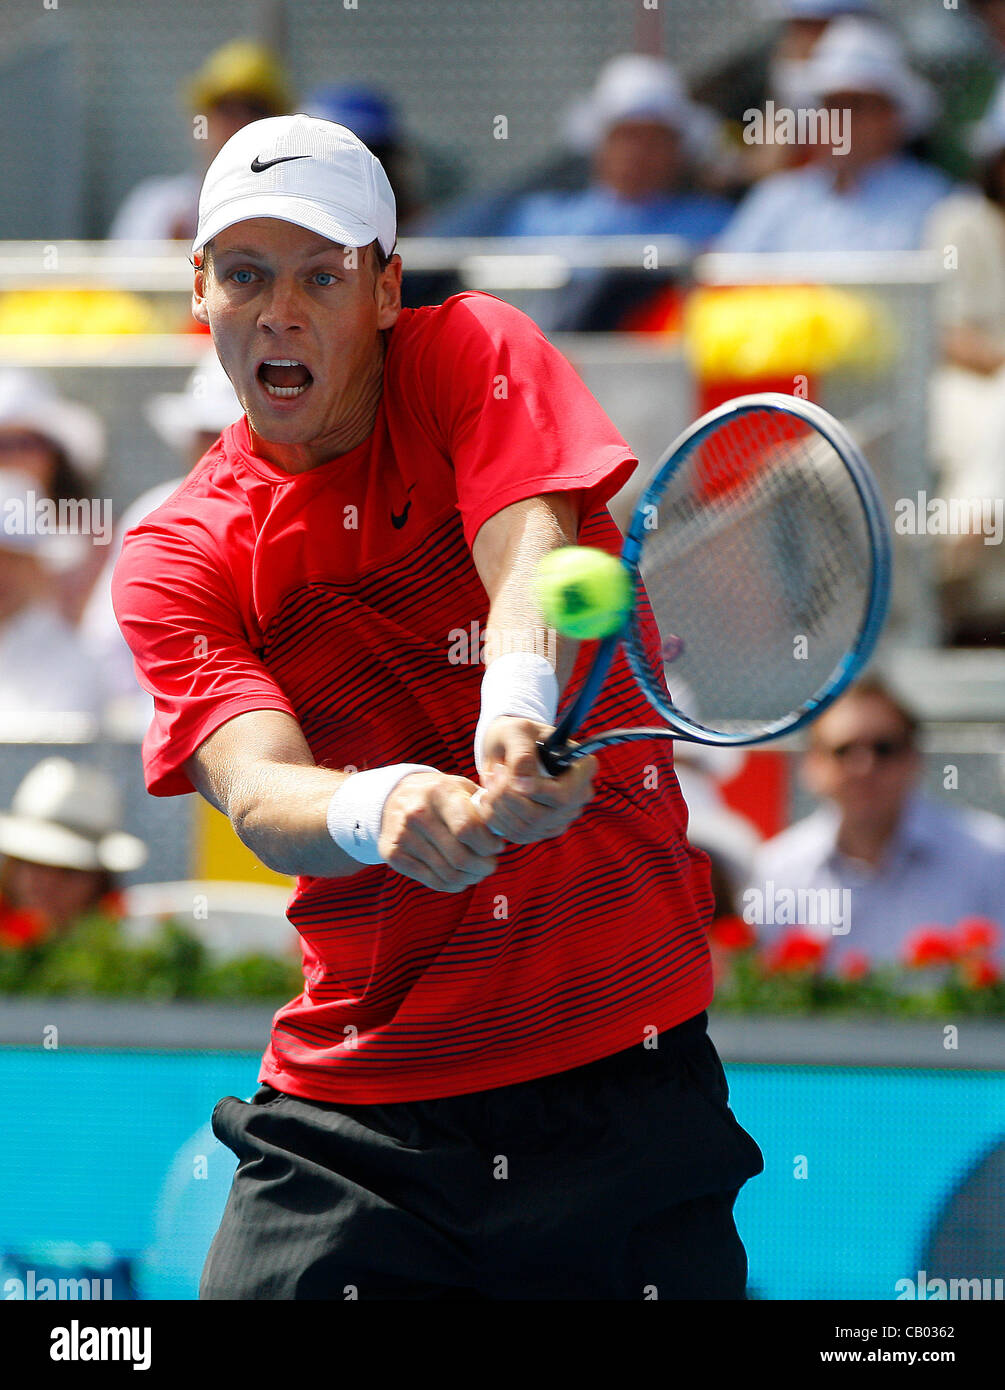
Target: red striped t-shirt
{"x": 347, "y": 597}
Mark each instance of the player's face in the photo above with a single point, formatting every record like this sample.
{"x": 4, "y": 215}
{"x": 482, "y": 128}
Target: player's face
{"x": 861, "y": 759}
{"x": 278, "y": 294}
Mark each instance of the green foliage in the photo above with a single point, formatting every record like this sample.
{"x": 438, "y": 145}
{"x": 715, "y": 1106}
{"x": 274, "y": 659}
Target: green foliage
{"x": 745, "y": 985}
{"x": 94, "y": 958}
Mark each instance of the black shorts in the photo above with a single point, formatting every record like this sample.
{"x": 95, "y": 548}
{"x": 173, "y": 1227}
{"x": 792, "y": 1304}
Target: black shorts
{"x": 615, "y": 1180}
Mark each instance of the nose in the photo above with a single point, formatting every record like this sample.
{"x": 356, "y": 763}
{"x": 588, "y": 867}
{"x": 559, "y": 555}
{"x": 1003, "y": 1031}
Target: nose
{"x": 282, "y": 307}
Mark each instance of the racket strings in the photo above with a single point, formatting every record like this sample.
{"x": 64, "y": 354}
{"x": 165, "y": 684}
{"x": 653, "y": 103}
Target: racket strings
{"x": 757, "y": 570}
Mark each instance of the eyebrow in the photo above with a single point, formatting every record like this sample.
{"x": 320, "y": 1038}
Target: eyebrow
{"x": 332, "y": 249}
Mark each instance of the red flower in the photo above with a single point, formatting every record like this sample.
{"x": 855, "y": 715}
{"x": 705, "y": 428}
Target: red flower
{"x": 979, "y": 973}
{"x": 20, "y": 927}
{"x": 929, "y": 946}
{"x": 976, "y": 934}
{"x": 732, "y": 933}
{"x": 796, "y": 951}
{"x": 854, "y": 966}
{"x": 113, "y": 905}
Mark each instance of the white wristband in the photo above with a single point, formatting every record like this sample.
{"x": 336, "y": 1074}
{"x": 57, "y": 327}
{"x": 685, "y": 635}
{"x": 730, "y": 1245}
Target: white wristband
{"x": 355, "y": 810}
{"x": 522, "y": 684}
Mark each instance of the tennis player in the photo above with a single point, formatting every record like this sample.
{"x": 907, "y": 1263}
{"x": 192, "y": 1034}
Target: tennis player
{"x": 497, "y": 1082}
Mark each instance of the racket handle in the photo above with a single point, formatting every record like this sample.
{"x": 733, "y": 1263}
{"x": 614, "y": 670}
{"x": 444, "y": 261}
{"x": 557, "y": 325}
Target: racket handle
{"x": 555, "y": 757}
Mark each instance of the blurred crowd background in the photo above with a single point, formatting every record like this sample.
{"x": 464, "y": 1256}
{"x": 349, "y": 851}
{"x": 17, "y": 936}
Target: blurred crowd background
{"x": 636, "y": 177}
{"x": 642, "y": 180}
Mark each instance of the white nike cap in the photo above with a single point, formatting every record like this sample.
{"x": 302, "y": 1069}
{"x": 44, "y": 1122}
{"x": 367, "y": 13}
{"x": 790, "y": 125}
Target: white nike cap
{"x": 304, "y": 170}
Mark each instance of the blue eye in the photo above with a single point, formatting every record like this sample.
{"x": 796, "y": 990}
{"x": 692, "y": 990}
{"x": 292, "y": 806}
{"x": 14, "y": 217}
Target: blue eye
{"x": 325, "y": 278}
{"x": 235, "y": 275}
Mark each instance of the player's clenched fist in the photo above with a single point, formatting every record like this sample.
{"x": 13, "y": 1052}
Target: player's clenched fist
{"x": 520, "y": 802}
{"x": 430, "y": 831}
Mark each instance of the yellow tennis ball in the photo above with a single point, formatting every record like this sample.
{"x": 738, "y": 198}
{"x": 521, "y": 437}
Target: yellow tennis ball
{"x": 584, "y": 593}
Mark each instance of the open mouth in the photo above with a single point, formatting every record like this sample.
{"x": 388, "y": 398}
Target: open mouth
{"x": 284, "y": 377}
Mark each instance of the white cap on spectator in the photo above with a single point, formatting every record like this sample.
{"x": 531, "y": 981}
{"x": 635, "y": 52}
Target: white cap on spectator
{"x": 987, "y": 138}
{"x": 635, "y": 87}
{"x": 30, "y": 402}
{"x": 859, "y": 55}
{"x": 207, "y": 405}
{"x": 67, "y": 815}
{"x": 304, "y": 170}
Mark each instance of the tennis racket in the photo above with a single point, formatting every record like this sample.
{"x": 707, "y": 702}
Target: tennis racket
{"x": 760, "y": 557}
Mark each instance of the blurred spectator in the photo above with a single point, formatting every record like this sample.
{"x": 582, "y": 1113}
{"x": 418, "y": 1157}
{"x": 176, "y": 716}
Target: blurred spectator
{"x": 646, "y": 140}
{"x": 861, "y": 191}
{"x": 769, "y": 65}
{"x": 60, "y": 849}
{"x": 239, "y": 83}
{"x": 370, "y": 115}
{"x": 59, "y": 446}
{"x": 967, "y": 230}
{"x": 645, "y": 135}
{"x": 879, "y": 858}
{"x": 630, "y": 150}
{"x": 44, "y": 666}
{"x": 189, "y": 422}
{"x": 957, "y": 54}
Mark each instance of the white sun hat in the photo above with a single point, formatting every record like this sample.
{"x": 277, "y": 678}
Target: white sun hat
{"x": 304, "y": 170}
{"x": 860, "y": 55}
{"x": 207, "y": 405}
{"x": 635, "y": 87}
{"x": 29, "y": 401}
{"x": 66, "y": 815}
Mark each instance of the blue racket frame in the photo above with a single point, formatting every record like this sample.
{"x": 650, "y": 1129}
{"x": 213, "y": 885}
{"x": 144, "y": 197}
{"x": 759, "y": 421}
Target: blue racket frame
{"x": 552, "y": 750}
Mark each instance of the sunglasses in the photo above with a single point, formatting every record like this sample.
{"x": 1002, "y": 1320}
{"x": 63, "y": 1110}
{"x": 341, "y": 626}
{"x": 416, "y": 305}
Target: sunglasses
{"x": 882, "y": 749}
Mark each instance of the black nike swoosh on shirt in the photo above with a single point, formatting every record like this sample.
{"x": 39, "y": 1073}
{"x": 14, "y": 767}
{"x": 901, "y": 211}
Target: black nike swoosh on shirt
{"x": 258, "y": 166}
{"x": 398, "y": 519}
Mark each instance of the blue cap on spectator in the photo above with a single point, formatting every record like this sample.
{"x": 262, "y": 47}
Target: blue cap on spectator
{"x": 364, "y": 111}
{"x": 634, "y": 87}
{"x": 824, "y": 9}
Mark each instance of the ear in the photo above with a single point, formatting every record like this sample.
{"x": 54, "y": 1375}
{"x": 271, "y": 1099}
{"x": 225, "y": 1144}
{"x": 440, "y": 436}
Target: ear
{"x": 387, "y": 293}
{"x": 198, "y": 297}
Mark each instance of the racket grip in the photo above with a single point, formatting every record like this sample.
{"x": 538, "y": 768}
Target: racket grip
{"x": 554, "y": 757}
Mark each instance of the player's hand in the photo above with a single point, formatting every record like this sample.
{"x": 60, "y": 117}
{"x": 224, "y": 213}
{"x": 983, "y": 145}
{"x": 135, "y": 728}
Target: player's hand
{"x": 520, "y": 802}
{"x": 430, "y": 831}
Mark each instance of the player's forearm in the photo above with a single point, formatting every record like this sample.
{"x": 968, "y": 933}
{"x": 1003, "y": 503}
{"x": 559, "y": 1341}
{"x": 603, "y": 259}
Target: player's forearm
{"x": 516, "y": 624}
{"x": 280, "y": 813}
{"x": 515, "y": 621}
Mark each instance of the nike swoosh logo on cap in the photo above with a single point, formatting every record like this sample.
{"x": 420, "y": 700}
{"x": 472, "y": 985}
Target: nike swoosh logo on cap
{"x": 258, "y": 166}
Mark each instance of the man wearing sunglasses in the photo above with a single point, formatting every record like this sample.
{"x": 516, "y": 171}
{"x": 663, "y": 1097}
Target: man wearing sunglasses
{"x": 878, "y": 858}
